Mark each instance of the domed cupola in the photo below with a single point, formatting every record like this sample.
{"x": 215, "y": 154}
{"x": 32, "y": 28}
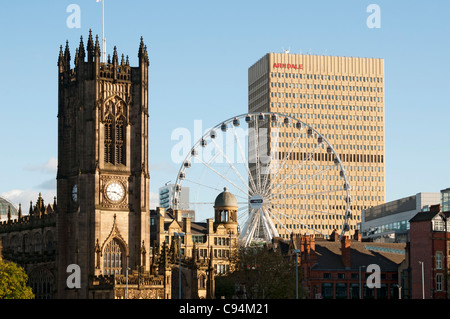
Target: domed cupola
{"x": 225, "y": 208}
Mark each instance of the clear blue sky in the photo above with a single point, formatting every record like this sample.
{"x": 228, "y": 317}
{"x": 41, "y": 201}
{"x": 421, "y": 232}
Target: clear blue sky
{"x": 200, "y": 52}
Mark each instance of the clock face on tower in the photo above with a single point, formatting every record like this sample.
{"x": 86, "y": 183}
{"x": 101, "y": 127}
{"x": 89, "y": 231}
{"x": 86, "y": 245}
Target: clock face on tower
{"x": 115, "y": 192}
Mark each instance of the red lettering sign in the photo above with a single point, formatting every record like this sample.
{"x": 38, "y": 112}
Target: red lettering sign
{"x": 288, "y": 66}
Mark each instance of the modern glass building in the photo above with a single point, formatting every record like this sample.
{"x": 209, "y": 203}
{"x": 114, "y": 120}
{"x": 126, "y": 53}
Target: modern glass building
{"x": 5, "y": 206}
{"x": 389, "y": 222}
{"x": 166, "y": 196}
{"x": 445, "y": 199}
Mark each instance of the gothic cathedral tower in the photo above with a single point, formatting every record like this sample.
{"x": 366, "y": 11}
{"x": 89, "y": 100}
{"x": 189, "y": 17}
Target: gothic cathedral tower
{"x": 103, "y": 180}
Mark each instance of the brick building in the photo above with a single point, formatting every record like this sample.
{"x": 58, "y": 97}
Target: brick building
{"x": 428, "y": 248}
{"x": 332, "y": 268}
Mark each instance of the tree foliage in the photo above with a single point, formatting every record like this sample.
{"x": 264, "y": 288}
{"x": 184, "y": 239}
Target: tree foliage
{"x": 13, "y": 282}
{"x": 265, "y": 274}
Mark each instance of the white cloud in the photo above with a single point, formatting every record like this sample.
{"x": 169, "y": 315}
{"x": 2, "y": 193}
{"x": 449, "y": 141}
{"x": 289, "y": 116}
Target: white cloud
{"x": 51, "y": 166}
{"x": 24, "y": 197}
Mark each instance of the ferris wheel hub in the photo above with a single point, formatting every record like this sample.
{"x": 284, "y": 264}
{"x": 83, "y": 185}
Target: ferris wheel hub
{"x": 256, "y": 201}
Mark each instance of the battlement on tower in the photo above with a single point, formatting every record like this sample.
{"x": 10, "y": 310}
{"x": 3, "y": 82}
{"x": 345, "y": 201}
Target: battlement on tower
{"x": 87, "y": 62}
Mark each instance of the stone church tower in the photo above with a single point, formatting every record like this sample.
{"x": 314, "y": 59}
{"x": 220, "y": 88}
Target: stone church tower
{"x": 103, "y": 220}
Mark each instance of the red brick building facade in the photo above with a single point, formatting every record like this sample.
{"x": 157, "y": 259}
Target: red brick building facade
{"x": 428, "y": 247}
{"x": 340, "y": 269}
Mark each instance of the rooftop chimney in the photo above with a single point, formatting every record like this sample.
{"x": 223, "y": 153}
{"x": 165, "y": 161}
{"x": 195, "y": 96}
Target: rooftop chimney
{"x": 345, "y": 251}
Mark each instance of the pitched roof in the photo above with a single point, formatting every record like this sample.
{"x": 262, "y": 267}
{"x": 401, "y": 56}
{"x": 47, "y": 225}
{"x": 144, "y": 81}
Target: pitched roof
{"x": 387, "y": 256}
{"x": 424, "y": 216}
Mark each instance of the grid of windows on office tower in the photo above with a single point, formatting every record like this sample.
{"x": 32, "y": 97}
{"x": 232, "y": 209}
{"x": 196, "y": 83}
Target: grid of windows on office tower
{"x": 343, "y": 99}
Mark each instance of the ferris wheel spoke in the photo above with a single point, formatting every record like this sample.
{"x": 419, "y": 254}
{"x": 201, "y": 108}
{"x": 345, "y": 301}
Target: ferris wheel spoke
{"x": 234, "y": 169}
{"x": 209, "y": 203}
{"x": 269, "y": 166}
{"x": 296, "y": 221}
{"x": 300, "y": 196}
{"x": 314, "y": 211}
{"x": 298, "y": 167}
{"x": 203, "y": 185}
{"x": 254, "y": 140}
{"x": 243, "y": 216}
{"x": 302, "y": 181}
{"x": 286, "y": 157}
{"x": 221, "y": 175}
{"x": 213, "y": 188}
{"x": 271, "y": 225}
{"x": 320, "y": 212}
{"x": 241, "y": 151}
{"x": 309, "y": 157}
{"x": 251, "y": 228}
{"x": 279, "y": 221}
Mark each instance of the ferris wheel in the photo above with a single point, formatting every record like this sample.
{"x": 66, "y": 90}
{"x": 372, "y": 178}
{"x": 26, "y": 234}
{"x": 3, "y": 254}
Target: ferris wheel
{"x": 281, "y": 170}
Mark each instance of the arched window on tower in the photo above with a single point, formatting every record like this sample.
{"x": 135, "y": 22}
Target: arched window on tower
{"x": 120, "y": 141}
{"x": 113, "y": 258}
{"x": 108, "y": 139}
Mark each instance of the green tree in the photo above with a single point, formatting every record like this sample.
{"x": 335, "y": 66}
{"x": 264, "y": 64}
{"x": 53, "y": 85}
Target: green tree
{"x": 13, "y": 282}
{"x": 265, "y": 274}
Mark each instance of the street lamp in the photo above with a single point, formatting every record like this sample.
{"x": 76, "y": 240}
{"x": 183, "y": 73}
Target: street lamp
{"x": 126, "y": 282}
{"x": 423, "y": 288}
{"x": 296, "y": 252}
{"x": 179, "y": 235}
{"x": 446, "y": 251}
{"x": 360, "y": 288}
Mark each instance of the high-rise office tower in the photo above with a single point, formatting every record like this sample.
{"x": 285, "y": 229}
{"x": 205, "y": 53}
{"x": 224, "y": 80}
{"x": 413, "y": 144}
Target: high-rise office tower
{"x": 342, "y": 98}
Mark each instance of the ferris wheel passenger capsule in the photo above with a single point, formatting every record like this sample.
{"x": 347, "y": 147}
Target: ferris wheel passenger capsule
{"x": 248, "y": 118}
{"x": 287, "y": 120}
{"x": 310, "y": 131}
{"x": 299, "y": 125}
{"x": 182, "y": 175}
{"x": 213, "y": 134}
{"x": 274, "y": 117}
{"x": 187, "y": 164}
{"x": 320, "y": 140}
{"x": 194, "y": 152}
{"x": 223, "y": 127}
{"x": 178, "y": 188}
{"x": 261, "y": 117}
{"x": 203, "y": 143}
{"x": 349, "y": 214}
{"x": 236, "y": 122}
{"x": 329, "y": 150}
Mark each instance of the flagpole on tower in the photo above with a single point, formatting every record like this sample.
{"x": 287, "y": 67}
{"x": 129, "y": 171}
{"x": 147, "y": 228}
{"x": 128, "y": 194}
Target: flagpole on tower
{"x": 103, "y": 32}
